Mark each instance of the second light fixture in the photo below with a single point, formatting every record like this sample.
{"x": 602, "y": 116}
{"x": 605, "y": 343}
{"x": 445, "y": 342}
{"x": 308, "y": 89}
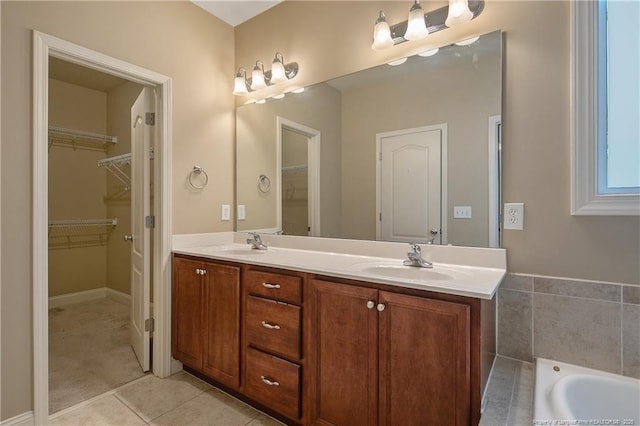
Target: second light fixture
{"x": 261, "y": 79}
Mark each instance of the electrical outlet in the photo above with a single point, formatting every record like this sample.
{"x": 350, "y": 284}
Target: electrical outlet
{"x": 514, "y": 216}
{"x": 226, "y": 212}
{"x": 241, "y": 212}
{"x": 462, "y": 212}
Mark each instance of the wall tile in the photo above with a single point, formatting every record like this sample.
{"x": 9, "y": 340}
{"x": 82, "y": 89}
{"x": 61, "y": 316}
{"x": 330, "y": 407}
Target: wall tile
{"x": 631, "y": 340}
{"x": 631, "y": 294}
{"x": 578, "y": 331}
{"x": 514, "y": 324}
{"x": 586, "y": 289}
{"x": 517, "y": 282}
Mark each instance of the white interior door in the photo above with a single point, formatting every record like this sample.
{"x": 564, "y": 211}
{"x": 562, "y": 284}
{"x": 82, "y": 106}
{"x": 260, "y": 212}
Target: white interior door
{"x": 409, "y": 186}
{"x": 141, "y": 134}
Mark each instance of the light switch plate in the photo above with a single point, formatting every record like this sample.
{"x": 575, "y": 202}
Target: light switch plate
{"x": 462, "y": 212}
{"x": 241, "y": 212}
{"x": 514, "y": 216}
{"x": 226, "y": 212}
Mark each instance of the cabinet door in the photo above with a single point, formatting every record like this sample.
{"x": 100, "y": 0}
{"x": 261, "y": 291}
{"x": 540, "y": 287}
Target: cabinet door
{"x": 222, "y": 319}
{"x": 424, "y": 361}
{"x": 187, "y": 312}
{"x": 344, "y": 339}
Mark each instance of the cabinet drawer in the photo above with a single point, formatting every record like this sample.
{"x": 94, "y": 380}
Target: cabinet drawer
{"x": 273, "y": 326}
{"x": 274, "y": 286}
{"x": 273, "y": 382}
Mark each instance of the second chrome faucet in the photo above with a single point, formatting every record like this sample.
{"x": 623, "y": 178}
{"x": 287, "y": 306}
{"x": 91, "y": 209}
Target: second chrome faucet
{"x": 415, "y": 257}
{"x": 256, "y": 242}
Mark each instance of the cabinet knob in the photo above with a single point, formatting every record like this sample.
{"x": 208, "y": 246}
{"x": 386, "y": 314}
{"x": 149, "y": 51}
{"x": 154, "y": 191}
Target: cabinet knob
{"x": 269, "y": 285}
{"x": 265, "y": 324}
{"x": 128, "y": 238}
{"x": 269, "y": 382}
{"x": 370, "y": 304}
{"x": 380, "y": 307}
{"x": 198, "y": 270}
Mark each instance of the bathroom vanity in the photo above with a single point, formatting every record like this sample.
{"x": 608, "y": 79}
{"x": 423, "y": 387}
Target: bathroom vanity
{"x": 322, "y": 337}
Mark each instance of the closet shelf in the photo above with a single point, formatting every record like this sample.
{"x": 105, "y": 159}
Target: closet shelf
{"x": 115, "y": 166}
{"x": 80, "y": 232}
{"x": 77, "y": 139}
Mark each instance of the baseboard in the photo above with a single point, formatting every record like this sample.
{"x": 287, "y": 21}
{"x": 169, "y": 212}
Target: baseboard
{"x": 118, "y": 296}
{"x": 78, "y": 297}
{"x": 24, "y": 419}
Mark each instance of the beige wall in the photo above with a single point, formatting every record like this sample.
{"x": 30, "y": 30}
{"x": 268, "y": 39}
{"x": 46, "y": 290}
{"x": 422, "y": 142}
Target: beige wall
{"x": 76, "y": 190}
{"x": 176, "y": 39}
{"x": 535, "y": 116}
{"x": 119, "y": 102}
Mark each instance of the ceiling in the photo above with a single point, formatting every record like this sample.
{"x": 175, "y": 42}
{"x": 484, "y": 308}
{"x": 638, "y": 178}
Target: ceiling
{"x": 235, "y": 12}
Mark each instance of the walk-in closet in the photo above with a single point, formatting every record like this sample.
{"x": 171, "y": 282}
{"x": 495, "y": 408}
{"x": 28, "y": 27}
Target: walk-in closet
{"x": 90, "y": 228}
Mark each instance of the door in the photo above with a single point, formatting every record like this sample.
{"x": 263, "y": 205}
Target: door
{"x": 344, "y": 332}
{"x": 424, "y": 361}
{"x": 295, "y": 183}
{"x": 409, "y": 185}
{"x": 141, "y": 134}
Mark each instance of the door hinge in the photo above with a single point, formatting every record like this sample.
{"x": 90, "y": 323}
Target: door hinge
{"x": 152, "y": 153}
{"x": 381, "y": 156}
{"x": 150, "y": 118}
{"x": 150, "y": 221}
{"x": 149, "y": 325}
{"x": 380, "y": 217}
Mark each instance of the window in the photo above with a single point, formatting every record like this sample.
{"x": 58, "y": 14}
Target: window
{"x": 605, "y": 108}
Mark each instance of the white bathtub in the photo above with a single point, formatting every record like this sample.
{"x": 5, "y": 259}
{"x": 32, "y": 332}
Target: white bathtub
{"x": 566, "y": 394}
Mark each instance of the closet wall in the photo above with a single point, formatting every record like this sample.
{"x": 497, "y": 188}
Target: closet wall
{"x": 79, "y": 189}
{"x": 76, "y": 188}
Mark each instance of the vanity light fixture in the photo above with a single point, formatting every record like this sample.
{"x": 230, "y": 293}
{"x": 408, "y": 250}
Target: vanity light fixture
{"x": 278, "y": 96}
{"x": 459, "y": 13}
{"x": 467, "y": 41}
{"x": 419, "y": 25}
{"x": 416, "y": 25}
{"x": 298, "y": 90}
{"x": 260, "y": 79}
{"x": 397, "y": 62}
{"x": 429, "y": 52}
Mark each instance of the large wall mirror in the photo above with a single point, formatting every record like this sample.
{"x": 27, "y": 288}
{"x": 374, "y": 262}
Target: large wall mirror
{"x": 397, "y": 153}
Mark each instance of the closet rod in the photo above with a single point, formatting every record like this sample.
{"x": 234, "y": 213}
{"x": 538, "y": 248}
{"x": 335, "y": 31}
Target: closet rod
{"x": 72, "y": 223}
{"x": 79, "y": 134}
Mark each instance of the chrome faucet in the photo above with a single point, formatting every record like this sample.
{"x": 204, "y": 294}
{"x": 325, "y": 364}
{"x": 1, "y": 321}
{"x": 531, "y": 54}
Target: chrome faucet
{"x": 256, "y": 242}
{"x": 415, "y": 257}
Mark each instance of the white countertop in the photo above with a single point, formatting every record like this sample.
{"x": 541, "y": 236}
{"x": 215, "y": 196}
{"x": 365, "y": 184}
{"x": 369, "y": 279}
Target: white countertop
{"x": 471, "y": 279}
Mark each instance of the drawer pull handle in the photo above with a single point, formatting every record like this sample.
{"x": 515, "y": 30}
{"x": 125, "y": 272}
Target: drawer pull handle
{"x": 269, "y": 285}
{"x": 265, "y": 324}
{"x": 269, "y": 382}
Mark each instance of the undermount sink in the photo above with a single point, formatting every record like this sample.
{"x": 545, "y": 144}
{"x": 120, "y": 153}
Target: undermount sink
{"x": 410, "y": 272}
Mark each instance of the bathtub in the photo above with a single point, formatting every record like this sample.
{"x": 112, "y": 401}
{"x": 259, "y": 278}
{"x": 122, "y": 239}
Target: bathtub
{"x": 566, "y": 394}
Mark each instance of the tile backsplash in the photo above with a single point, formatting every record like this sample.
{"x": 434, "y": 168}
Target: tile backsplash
{"x": 592, "y": 324}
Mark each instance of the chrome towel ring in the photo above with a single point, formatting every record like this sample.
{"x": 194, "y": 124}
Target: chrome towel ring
{"x": 264, "y": 184}
{"x": 197, "y": 171}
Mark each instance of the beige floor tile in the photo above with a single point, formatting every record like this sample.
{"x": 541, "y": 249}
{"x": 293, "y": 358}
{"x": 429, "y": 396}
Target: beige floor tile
{"x": 153, "y": 397}
{"x": 105, "y": 411}
{"x": 211, "y": 408}
{"x": 263, "y": 420}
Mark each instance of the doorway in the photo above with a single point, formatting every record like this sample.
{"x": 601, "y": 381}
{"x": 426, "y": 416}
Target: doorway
{"x": 411, "y": 185}
{"x": 298, "y": 162}
{"x": 46, "y": 46}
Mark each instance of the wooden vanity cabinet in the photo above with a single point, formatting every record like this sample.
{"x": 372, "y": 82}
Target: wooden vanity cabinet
{"x": 385, "y": 358}
{"x": 206, "y": 318}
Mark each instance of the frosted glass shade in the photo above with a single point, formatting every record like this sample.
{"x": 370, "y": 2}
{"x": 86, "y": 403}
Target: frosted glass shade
{"x": 416, "y": 26}
{"x": 277, "y": 72}
{"x": 381, "y": 35}
{"x": 239, "y": 86}
{"x": 257, "y": 79}
{"x": 459, "y": 13}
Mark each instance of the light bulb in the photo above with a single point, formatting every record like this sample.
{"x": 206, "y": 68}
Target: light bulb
{"x": 257, "y": 78}
{"x": 459, "y": 13}
{"x": 381, "y": 34}
{"x": 277, "y": 70}
{"x": 416, "y": 26}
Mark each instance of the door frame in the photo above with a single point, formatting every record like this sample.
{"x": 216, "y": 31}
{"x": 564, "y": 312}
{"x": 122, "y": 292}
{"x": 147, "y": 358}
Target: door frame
{"x": 443, "y": 173}
{"x": 495, "y": 179}
{"x": 45, "y": 46}
{"x": 313, "y": 136}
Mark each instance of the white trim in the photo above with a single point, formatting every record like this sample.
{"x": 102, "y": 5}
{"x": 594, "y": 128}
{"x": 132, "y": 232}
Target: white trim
{"x": 444, "y": 161}
{"x": 118, "y": 296}
{"x": 585, "y": 199}
{"x": 494, "y": 181}
{"x": 77, "y": 297}
{"x": 44, "y": 46}
{"x": 313, "y": 171}
{"x": 24, "y": 419}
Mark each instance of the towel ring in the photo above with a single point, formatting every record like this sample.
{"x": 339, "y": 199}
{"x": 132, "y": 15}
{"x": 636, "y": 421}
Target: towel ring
{"x": 197, "y": 170}
{"x": 264, "y": 184}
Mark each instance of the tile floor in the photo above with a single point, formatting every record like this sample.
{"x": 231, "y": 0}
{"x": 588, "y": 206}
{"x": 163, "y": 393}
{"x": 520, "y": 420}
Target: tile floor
{"x": 177, "y": 400}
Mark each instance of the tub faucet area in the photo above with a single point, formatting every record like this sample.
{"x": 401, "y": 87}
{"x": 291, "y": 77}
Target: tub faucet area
{"x": 415, "y": 257}
{"x": 256, "y": 242}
